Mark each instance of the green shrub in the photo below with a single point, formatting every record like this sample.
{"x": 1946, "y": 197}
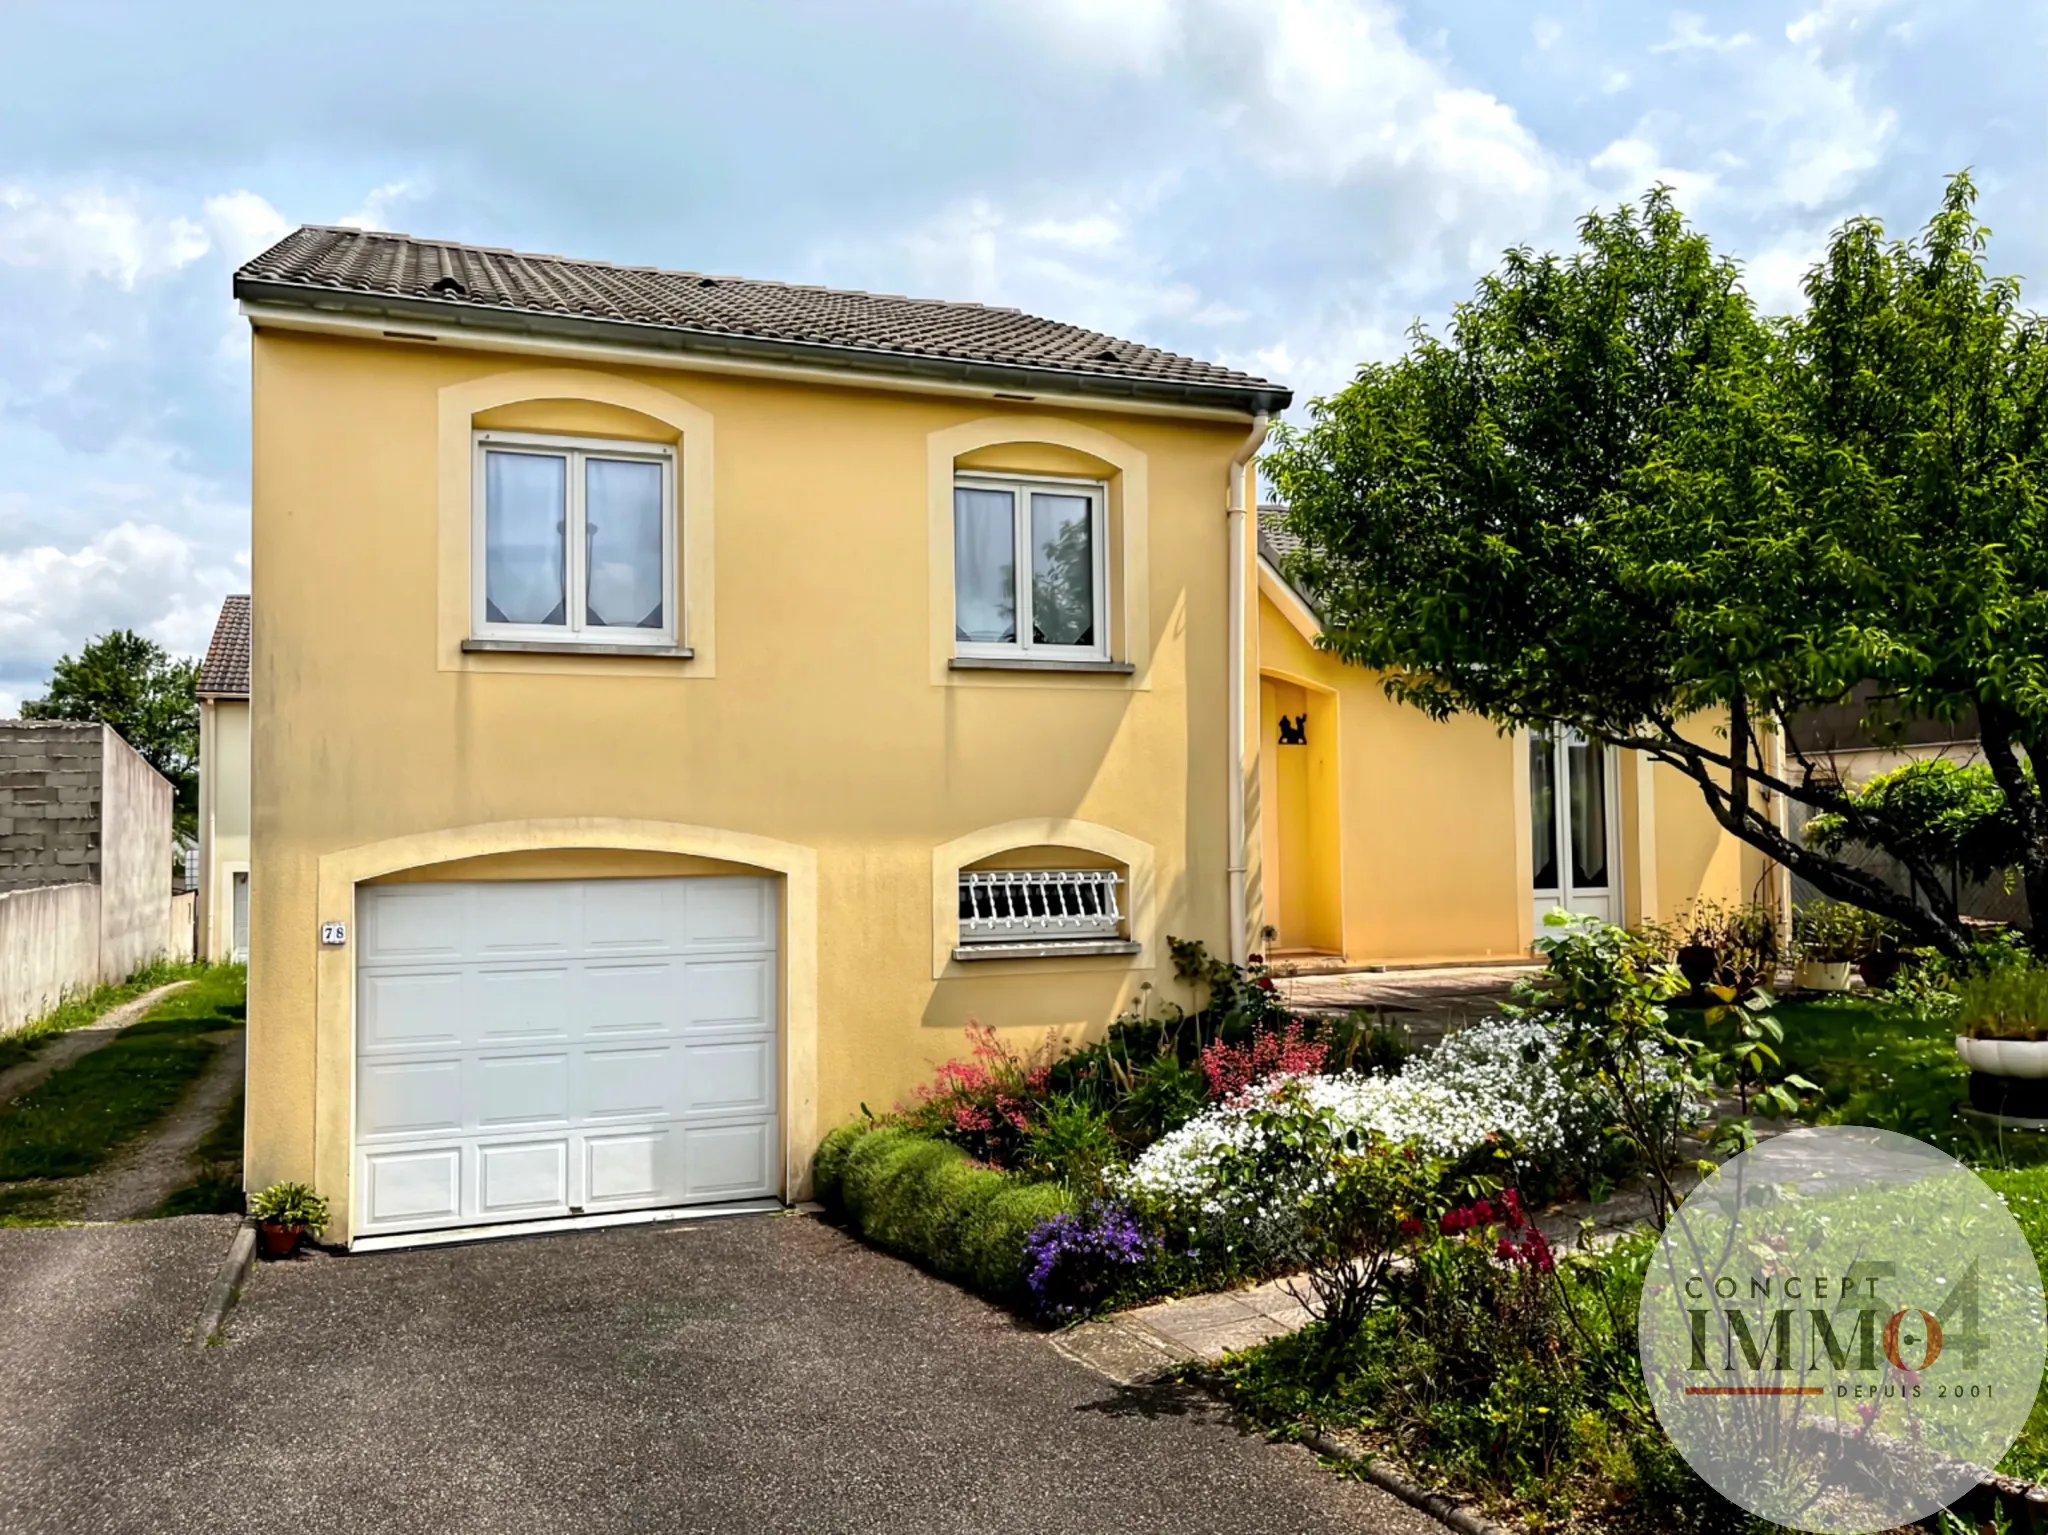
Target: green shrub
{"x": 927, "y": 1200}
{"x": 2009, "y": 1001}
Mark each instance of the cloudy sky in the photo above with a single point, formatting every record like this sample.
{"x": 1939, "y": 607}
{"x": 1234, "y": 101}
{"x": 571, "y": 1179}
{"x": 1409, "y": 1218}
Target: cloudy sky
{"x": 1280, "y": 184}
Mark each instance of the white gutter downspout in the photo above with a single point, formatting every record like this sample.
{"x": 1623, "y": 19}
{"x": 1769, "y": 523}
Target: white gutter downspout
{"x": 1240, "y": 946}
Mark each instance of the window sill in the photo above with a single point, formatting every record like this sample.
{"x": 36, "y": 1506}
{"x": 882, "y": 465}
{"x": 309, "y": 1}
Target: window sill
{"x": 1049, "y": 948}
{"x": 1034, "y": 664}
{"x": 575, "y": 648}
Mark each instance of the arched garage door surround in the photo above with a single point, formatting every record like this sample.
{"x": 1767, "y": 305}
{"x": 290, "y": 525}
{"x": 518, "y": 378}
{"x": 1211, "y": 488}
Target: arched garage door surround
{"x": 342, "y": 871}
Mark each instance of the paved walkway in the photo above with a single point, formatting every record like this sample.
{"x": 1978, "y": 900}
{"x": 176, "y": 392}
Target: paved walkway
{"x": 62, "y": 1049}
{"x": 764, "y": 1373}
{"x": 1432, "y": 1000}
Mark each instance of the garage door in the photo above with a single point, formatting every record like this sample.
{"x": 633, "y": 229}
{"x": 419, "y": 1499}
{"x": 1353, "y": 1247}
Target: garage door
{"x": 536, "y": 1049}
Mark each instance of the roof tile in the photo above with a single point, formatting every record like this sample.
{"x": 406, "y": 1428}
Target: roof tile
{"x": 225, "y": 671}
{"x": 507, "y": 284}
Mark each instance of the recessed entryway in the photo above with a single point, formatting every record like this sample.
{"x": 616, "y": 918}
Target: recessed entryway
{"x": 534, "y": 1050}
{"x": 1298, "y": 780}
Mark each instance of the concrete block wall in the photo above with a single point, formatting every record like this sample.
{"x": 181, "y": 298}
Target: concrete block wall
{"x": 85, "y": 863}
{"x": 50, "y": 801}
{"x": 134, "y": 858}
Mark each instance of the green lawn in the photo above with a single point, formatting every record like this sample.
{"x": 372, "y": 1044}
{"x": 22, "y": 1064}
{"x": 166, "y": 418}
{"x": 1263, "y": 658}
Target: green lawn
{"x": 1883, "y": 1066}
{"x": 75, "y": 1120}
{"x": 17, "y": 1045}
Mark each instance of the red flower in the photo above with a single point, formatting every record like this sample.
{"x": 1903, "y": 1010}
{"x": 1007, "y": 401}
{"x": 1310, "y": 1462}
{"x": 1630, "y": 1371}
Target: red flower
{"x": 1411, "y": 1227}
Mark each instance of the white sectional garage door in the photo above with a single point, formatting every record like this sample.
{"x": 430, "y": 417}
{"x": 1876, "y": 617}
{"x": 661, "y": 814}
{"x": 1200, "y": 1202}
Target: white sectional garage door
{"x": 536, "y": 1049}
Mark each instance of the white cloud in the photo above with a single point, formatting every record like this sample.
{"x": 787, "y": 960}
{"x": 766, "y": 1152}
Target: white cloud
{"x": 375, "y": 212}
{"x": 90, "y": 231}
{"x": 244, "y": 224}
{"x": 1547, "y": 31}
{"x": 1634, "y": 165}
{"x": 1834, "y": 18}
{"x": 1137, "y": 35}
{"x": 136, "y": 575}
{"x": 1689, "y": 34}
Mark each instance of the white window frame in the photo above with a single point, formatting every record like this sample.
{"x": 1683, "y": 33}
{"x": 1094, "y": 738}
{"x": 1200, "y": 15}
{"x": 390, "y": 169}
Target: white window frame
{"x": 576, "y": 631}
{"x": 1023, "y": 647}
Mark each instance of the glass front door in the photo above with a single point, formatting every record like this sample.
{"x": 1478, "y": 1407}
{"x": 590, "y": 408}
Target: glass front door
{"x": 1572, "y": 825}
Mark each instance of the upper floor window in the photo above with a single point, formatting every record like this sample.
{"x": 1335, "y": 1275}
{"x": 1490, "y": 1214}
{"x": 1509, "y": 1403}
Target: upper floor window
{"x": 1029, "y": 567}
{"x": 574, "y": 540}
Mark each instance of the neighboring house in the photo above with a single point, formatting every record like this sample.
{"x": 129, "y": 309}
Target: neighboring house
{"x": 682, "y": 703}
{"x": 1836, "y": 742}
{"x": 224, "y": 786}
{"x": 1388, "y": 838}
{"x": 85, "y": 864}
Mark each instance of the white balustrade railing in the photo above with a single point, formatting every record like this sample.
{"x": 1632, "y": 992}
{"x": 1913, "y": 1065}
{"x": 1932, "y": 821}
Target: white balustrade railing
{"x": 1020, "y": 905}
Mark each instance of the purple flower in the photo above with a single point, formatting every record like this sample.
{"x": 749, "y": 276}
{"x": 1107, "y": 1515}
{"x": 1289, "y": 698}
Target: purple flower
{"x": 1074, "y": 1261}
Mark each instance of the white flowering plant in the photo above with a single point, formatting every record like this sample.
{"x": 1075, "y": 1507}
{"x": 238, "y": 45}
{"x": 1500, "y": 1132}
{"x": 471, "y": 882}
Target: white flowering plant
{"x": 1497, "y": 1090}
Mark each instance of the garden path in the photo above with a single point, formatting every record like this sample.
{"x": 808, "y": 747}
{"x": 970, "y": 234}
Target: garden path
{"x": 1430, "y": 1002}
{"x": 67, "y": 1047}
{"x": 143, "y": 1173}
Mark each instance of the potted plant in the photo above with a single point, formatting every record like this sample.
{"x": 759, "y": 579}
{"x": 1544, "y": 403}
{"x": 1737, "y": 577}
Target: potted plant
{"x": 284, "y": 1213}
{"x": 1829, "y": 939}
{"x": 2002, "y": 1022}
{"x": 1701, "y": 929}
{"x": 1749, "y": 949}
{"x": 1882, "y": 958}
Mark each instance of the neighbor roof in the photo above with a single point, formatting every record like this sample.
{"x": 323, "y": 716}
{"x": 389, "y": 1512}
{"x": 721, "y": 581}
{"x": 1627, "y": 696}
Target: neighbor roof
{"x": 1276, "y": 542}
{"x": 397, "y": 277}
{"x": 225, "y": 671}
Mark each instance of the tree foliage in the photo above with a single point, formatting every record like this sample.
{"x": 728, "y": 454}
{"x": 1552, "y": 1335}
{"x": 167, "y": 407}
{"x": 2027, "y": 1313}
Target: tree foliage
{"x": 1614, "y": 498}
{"x": 131, "y": 683}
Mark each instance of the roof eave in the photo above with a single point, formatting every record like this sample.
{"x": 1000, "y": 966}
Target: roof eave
{"x": 220, "y": 695}
{"x": 445, "y": 314}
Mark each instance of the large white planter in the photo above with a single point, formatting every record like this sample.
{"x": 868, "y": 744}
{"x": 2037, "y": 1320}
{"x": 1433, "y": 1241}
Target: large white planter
{"x": 2005, "y": 1057}
{"x": 1822, "y": 974}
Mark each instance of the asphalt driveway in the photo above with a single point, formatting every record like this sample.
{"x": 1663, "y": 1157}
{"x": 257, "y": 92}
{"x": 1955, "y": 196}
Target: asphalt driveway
{"x": 758, "y": 1374}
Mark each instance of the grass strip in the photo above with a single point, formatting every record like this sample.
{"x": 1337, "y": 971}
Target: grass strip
{"x": 216, "y": 1187}
{"x": 77, "y": 1118}
{"x": 75, "y": 1012}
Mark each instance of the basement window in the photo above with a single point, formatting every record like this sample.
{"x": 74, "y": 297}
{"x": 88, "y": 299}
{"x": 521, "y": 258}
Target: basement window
{"x": 1029, "y": 913}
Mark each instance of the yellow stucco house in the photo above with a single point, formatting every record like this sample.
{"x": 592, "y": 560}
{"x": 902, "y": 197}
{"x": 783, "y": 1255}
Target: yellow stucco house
{"x": 1386, "y": 837}
{"x": 681, "y": 703}
{"x": 222, "y": 910}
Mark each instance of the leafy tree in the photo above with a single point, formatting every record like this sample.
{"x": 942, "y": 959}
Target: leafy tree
{"x": 1615, "y": 499}
{"x": 1953, "y": 813}
{"x": 151, "y": 698}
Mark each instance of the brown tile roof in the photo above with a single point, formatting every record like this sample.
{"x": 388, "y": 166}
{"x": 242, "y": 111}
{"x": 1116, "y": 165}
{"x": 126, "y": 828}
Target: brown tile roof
{"x": 397, "y": 276}
{"x": 225, "y": 671}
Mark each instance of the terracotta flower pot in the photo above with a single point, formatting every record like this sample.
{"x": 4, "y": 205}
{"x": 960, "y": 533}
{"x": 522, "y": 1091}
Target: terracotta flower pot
{"x": 278, "y": 1241}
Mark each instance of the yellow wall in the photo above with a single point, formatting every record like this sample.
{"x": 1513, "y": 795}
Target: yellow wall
{"x": 223, "y": 818}
{"x": 815, "y": 740}
{"x": 1430, "y": 853}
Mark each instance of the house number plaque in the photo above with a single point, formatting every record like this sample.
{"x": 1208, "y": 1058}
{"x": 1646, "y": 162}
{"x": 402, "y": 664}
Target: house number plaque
{"x": 334, "y": 932}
